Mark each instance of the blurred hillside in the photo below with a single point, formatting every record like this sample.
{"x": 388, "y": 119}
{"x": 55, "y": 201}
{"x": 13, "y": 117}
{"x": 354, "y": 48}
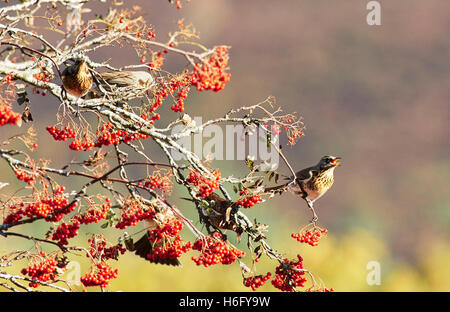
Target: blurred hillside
{"x": 378, "y": 96}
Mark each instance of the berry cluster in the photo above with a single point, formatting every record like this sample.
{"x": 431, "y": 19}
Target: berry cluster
{"x": 169, "y": 229}
{"x": 43, "y": 270}
{"x": 167, "y": 241}
{"x": 101, "y": 276}
{"x": 82, "y": 145}
{"x": 14, "y": 216}
{"x": 169, "y": 250}
{"x": 211, "y": 75}
{"x": 66, "y": 231}
{"x": 52, "y": 208}
{"x": 108, "y": 136}
{"x": 8, "y": 117}
{"x": 95, "y": 214}
{"x": 311, "y": 237}
{"x": 25, "y": 177}
{"x": 205, "y": 185}
{"x": 289, "y": 274}
{"x": 105, "y": 136}
{"x": 256, "y": 281}
{"x": 177, "y": 86}
{"x": 61, "y": 134}
{"x": 133, "y": 213}
{"x": 215, "y": 251}
{"x": 156, "y": 182}
{"x": 249, "y": 201}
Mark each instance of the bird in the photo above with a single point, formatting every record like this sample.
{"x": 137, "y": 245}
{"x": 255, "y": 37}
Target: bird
{"x": 216, "y": 211}
{"x": 77, "y": 78}
{"x": 311, "y": 183}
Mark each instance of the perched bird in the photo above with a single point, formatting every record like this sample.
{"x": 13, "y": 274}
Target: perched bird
{"x": 77, "y": 79}
{"x": 216, "y": 212}
{"x": 311, "y": 183}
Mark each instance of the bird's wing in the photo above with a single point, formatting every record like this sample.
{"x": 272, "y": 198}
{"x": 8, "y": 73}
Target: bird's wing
{"x": 127, "y": 79}
{"x": 305, "y": 174}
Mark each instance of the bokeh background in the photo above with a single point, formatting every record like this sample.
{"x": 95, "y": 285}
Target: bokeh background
{"x": 378, "y": 96}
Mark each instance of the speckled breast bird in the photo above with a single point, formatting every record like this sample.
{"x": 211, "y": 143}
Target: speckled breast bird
{"x": 311, "y": 183}
{"x": 77, "y": 79}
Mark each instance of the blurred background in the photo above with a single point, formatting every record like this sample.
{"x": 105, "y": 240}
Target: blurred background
{"x": 378, "y": 96}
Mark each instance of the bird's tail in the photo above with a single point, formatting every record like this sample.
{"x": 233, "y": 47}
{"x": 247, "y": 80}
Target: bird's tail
{"x": 143, "y": 248}
{"x": 188, "y": 199}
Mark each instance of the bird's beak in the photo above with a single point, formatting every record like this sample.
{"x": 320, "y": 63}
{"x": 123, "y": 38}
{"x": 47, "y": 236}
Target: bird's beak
{"x": 336, "y": 162}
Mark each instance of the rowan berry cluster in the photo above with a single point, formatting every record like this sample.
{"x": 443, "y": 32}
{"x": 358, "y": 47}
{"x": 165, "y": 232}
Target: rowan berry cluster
{"x": 101, "y": 275}
{"x": 310, "y": 236}
{"x": 95, "y": 213}
{"x": 156, "y": 182}
{"x": 167, "y": 242}
{"x": 169, "y": 250}
{"x": 52, "y": 208}
{"x": 249, "y": 201}
{"x": 211, "y": 75}
{"x": 107, "y": 135}
{"x": 43, "y": 270}
{"x": 177, "y": 86}
{"x": 133, "y": 213}
{"x": 256, "y": 281}
{"x": 66, "y": 231}
{"x": 25, "y": 177}
{"x": 289, "y": 274}
{"x": 206, "y": 186}
{"x": 61, "y": 134}
{"x": 169, "y": 229}
{"x": 14, "y": 216}
{"x": 215, "y": 251}
{"x": 82, "y": 145}
{"x": 8, "y": 117}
